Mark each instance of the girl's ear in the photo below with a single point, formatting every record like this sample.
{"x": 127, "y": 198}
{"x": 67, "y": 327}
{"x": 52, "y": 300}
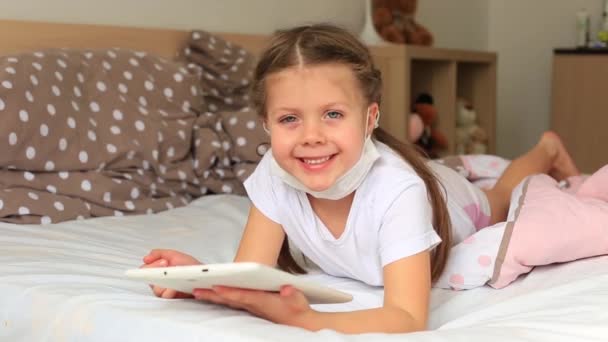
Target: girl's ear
{"x": 373, "y": 118}
{"x": 265, "y": 127}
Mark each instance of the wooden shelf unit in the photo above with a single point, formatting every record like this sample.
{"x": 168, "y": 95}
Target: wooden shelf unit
{"x": 446, "y": 74}
{"x": 579, "y": 104}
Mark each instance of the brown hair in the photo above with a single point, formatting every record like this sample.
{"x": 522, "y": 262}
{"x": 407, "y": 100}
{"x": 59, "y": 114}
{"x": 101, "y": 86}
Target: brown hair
{"x": 320, "y": 44}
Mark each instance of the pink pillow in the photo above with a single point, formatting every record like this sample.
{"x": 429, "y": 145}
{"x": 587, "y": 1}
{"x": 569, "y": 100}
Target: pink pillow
{"x": 549, "y": 225}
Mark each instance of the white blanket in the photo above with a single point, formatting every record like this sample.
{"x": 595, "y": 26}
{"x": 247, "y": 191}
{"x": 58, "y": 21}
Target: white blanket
{"x": 65, "y": 282}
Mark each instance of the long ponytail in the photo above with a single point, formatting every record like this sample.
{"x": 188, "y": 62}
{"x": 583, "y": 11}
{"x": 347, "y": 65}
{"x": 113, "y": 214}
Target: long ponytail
{"x": 441, "y": 218}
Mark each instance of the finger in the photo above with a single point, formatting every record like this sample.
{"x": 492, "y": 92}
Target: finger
{"x": 168, "y": 294}
{"x": 211, "y": 296}
{"x": 156, "y": 263}
{"x": 156, "y": 254}
{"x": 294, "y": 297}
{"x": 238, "y": 306}
{"x": 162, "y": 293}
{"x": 254, "y": 301}
{"x": 287, "y": 291}
{"x": 242, "y": 296}
{"x": 158, "y": 291}
{"x": 208, "y": 296}
{"x": 150, "y": 257}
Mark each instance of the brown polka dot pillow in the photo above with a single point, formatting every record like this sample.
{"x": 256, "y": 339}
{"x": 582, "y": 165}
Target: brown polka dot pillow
{"x": 235, "y": 132}
{"x": 96, "y": 133}
{"x": 226, "y": 71}
{"x": 113, "y": 132}
{"x": 80, "y": 110}
{"x": 247, "y": 139}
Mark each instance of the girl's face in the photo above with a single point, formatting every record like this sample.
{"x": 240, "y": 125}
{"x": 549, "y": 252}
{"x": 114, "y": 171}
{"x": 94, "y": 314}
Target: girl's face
{"x": 317, "y": 121}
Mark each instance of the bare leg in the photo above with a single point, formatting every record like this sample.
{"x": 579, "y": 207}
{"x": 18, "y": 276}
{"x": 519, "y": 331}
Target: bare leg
{"x": 549, "y": 156}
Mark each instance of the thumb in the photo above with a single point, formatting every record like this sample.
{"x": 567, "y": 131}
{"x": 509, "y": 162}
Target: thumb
{"x": 294, "y": 297}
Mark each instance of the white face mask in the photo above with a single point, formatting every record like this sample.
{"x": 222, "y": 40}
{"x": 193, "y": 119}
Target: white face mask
{"x": 347, "y": 183}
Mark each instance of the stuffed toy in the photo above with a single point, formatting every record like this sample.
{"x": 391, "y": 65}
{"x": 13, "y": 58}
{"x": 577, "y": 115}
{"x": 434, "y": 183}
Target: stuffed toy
{"x": 394, "y": 21}
{"x": 479, "y": 141}
{"x": 470, "y": 137}
{"x": 433, "y": 141}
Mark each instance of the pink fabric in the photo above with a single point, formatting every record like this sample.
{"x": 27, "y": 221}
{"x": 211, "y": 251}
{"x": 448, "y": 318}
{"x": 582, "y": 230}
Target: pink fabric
{"x": 552, "y": 225}
{"x": 480, "y": 220}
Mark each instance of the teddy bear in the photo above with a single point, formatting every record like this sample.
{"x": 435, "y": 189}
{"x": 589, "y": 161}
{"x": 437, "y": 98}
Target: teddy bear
{"x": 479, "y": 141}
{"x": 394, "y": 21}
{"x": 432, "y": 140}
{"x": 470, "y": 137}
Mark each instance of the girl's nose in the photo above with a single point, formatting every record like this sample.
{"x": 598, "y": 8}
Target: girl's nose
{"x": 313, "y": 134}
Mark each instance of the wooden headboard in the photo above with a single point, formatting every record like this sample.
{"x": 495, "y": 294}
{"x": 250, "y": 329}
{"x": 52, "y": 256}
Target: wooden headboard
{"x": 26, "y": 36}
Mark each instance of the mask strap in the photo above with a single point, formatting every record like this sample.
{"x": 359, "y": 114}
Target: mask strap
{"x": 376, "y": 124}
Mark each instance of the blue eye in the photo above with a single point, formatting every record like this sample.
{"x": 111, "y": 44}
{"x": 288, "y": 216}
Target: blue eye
{"x": 334, "y": 115}
{"x": 288, "y": 119}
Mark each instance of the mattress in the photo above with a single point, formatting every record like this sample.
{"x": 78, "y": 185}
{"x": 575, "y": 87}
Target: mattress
{"x": 65, "y": 282}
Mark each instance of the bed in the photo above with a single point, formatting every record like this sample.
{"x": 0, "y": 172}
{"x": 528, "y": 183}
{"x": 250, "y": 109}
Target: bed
{"x": 62, "y": 280}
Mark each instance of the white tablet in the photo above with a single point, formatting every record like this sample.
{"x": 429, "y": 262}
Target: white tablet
{"x": 247, "y": 275}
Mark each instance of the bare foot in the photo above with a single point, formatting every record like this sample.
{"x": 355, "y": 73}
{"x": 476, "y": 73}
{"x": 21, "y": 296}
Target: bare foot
{"x": 563, "y": 165}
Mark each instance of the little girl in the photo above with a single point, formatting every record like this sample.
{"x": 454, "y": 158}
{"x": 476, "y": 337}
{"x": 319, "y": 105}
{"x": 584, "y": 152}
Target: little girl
{"x": 357, "y": 202}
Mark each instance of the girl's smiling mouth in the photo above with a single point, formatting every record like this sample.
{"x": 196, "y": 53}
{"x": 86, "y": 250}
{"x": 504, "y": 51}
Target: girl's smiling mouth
{"x": 316, "y": 163}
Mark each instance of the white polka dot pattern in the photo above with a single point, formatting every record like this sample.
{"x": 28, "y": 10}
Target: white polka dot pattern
{"x": 115, "y": 132}
{"x": 226, "y": 69}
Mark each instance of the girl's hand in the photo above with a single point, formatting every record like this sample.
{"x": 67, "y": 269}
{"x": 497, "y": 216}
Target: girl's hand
{"x": 171, "y": 258}
{"x": 165, "y": 258}
{"x": 289, "y": 306}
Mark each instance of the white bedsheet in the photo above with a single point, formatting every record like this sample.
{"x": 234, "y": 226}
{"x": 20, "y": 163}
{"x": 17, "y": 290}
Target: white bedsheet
{"x": 65, "y": 282}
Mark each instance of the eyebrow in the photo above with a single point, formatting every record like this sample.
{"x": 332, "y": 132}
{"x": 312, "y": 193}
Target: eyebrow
{"x": 325, "y": 106}
{"x": 284, "y": 109}
{"x": 339, "y": 104}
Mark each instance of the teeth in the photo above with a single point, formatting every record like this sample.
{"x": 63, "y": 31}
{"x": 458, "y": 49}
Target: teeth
{"x": 316, "y": 161}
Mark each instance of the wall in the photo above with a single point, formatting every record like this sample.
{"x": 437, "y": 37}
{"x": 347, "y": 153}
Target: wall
{"x": 248, "y": 16}
{"x": 465, "y": 26}
{"x": 524, "y": 33}
{"x": 460, "y": 24}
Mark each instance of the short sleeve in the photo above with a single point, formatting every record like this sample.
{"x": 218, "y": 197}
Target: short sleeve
{"x": 407, "y": 226}
{"x": 262, "y": 190}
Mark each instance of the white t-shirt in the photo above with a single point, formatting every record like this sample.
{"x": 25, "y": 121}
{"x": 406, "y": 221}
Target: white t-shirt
{"x": 390, "y": 219}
